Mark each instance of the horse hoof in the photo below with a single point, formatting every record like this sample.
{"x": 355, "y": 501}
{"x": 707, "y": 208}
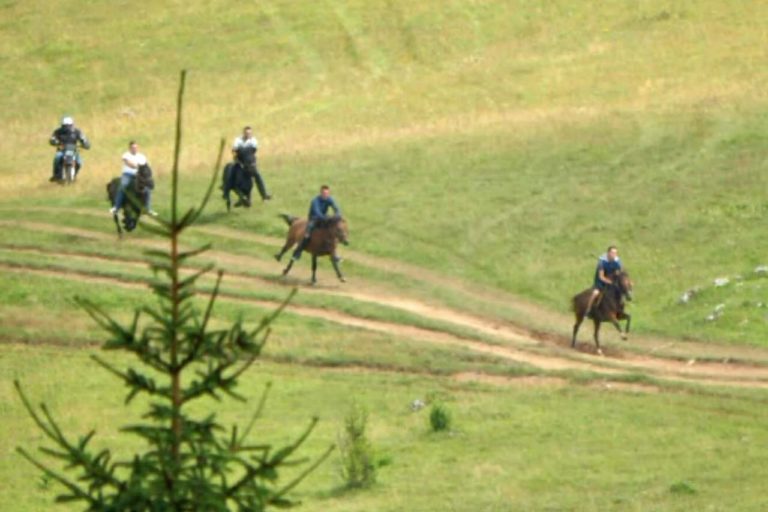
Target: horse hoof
{"x": 342, "y": 280}
{"x": 277, "y": 257}
{"x": 624, "y": 337}
{"x": 600, "y": 352}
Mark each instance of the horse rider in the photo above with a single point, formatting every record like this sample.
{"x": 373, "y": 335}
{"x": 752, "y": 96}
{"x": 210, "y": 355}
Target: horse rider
{"x": 607, "y": 266}
{"x": 318, "y": 210}
{"x": 132, "y": 160}
{"x": 248, "y": 142}
{"x": 67, "y": 133}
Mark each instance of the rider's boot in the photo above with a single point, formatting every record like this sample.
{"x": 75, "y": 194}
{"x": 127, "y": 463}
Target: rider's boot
{"x": 302, "y": 245}
{"x": 265, "y": 196}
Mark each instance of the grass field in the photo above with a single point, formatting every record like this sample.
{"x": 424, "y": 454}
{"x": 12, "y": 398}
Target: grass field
{"x": 484, "y": 154}
{"x": 541, "y": 446}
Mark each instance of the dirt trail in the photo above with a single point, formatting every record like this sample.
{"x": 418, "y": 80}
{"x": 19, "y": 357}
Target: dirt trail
{"x": 538, "y": 321}
{"x": 403, "y": 331}
{"x": 545, "y": 361}
{"x": 515, "y": 342}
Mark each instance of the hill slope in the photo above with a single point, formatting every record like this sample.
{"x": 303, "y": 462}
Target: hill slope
{"x": 502, "y": 143}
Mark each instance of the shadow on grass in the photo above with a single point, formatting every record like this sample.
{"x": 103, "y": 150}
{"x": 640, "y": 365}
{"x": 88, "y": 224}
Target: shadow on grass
{"x": 211, "y": 218}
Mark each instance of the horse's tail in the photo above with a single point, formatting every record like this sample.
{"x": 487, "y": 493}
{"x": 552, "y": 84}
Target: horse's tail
{"x": 288, "y": 218}
{"x": 112, "y": 187}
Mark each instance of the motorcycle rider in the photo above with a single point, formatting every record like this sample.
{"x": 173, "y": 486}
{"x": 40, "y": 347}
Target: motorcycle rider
{"x": 67, "y": 133}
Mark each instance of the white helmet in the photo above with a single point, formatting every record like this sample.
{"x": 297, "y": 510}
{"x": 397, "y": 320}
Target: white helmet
{"x": 67, "y": 121}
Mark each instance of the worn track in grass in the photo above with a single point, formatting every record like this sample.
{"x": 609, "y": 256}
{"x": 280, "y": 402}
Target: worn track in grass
{"x": 515, "y": 342}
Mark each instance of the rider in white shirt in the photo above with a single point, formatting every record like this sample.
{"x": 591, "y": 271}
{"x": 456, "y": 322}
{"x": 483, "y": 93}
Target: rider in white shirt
{"x": 248, "y": 142}
{"x": 132, "y": 159}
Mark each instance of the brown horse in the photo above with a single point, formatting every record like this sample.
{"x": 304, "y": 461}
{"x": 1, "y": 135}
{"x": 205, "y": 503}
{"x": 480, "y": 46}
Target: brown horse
{"x": 609, "y": 307}
{"x": 322, "y": 243}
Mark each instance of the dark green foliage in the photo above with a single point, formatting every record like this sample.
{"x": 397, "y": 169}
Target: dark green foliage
{"x": 440, "y": 417}
{"x": 682, "y": 488}
{"x": 358, "y": 467}
{"x": 191, "y": 463}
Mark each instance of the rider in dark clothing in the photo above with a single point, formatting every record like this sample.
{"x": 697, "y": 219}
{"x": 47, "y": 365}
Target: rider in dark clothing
{"x": 318, "y": 210}
{"x": 244, "y": 152}
{"x": 608, "y": 266}
{"x": 67, "y": 133}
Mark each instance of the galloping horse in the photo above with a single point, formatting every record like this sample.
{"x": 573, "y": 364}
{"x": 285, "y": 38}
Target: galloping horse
{"x": 238, "y": 176}
{"x": 135, "y": 197}
{"x": 607, "y": 308}
{"x": 322, "y": 243}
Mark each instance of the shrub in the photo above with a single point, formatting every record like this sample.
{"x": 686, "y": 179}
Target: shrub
{"x": 358, "y": 467}
{"x": 440, "y": 417}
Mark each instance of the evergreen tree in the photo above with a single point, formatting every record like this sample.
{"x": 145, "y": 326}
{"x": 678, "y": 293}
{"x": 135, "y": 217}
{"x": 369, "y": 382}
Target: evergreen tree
{"x": 191, "y": 463}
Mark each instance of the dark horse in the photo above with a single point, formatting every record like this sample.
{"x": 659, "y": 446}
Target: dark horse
{"x": 609, "y": 307}
{"x": 323, "y": 242}
{"x": 135, "y": 198}
{"x": 238, "y": 176}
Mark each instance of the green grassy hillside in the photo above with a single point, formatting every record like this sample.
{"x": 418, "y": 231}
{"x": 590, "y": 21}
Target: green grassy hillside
{"x": 504, "y": 143}
{"x": 484, "y": 153}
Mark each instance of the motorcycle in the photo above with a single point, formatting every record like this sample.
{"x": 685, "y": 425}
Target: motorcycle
{"x": 69, "y": 164}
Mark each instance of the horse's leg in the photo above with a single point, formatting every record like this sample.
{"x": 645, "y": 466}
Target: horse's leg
{"x": 314, "y": 268}
{"x": 288, "y": 268}
{"x": 597, "y": 336}
{"x": 617, "y": 325}
{"x": 579, "y": 319}
{"x": 335, "y": 262}
{"x": 288, "y": 244}
{"x": 117, "y": 225}
{"x": 629, "y": 320}
{"x": 618, "y": 328}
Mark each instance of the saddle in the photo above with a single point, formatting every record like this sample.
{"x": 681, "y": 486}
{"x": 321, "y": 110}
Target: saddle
{"x": 601, "y": 295}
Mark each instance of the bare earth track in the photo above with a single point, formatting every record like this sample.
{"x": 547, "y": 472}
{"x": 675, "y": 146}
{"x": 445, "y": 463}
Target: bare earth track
{"x": 511, "y": 342}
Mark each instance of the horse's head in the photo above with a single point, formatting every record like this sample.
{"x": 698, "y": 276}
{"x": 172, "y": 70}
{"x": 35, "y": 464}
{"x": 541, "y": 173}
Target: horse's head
{"x": 340, "y": 230}
{"x": 624, "y": 284}
{"x": 246, "y": 156}
{"x": 143, "y": 178}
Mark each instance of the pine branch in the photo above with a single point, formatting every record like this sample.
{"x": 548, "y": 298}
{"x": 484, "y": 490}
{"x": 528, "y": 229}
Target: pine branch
{"x": 285, "y": 490}
{"x": 256, "y": 415}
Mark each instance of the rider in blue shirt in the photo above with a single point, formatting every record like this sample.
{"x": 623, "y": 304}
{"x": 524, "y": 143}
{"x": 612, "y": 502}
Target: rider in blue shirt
{"x": 607, "y": 267}
{"x": 318, "y": 210}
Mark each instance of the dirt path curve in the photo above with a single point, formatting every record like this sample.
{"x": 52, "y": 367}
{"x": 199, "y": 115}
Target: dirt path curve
{"x": 549, "y": 359}
{"x": 535, "y": 322}
{"x": 399, "y": 330}
{"x": 654, "y": 365}
{"x": 532, "y": 321}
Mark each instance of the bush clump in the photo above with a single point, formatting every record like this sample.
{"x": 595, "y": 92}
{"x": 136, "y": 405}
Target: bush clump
{"x": 358, "y": 467}
{"x": 440, "y": 418}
